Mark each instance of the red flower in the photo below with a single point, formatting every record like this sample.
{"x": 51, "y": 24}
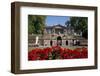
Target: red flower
{"x": 32, "y": 55}
{"x": 57, "y": 52}
{"x": 42, "y": 55}
{"x": 47, "y": 50}
{"x": 84, "y": 53}
{"x": 76, "y": 54}
{"x": 67, "y": 56}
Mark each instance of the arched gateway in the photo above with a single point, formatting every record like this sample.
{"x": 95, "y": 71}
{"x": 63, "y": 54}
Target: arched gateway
{"x": 59, "y": 40}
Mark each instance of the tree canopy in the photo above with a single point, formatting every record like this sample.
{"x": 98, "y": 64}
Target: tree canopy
{"x": 80, "y": 24}
{"x": 36, "y": 24}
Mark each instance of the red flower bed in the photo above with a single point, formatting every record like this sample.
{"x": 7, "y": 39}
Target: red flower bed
{"x": 57, "y": 52}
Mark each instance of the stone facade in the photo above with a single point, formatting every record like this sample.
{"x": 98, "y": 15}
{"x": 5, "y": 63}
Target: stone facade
{"x": 56, "y": 35}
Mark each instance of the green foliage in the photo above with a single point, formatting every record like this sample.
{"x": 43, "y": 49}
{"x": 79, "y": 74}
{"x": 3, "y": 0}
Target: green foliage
{"x": 80, "y": 24}
{"x": 36, "y": 24}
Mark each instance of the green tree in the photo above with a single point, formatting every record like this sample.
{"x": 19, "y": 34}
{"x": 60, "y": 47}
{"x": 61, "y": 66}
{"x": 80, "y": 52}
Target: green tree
{"x": 80, "y": 24}
{"x": 36, "y": 24}
{"x": 67, "y": 23}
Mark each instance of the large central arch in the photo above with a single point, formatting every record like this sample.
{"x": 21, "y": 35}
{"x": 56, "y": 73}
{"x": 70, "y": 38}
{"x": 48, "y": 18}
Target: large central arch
{"x": 59, "y": 40}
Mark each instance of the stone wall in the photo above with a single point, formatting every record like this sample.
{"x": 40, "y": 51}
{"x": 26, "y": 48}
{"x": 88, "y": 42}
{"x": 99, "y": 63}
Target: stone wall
{"x": 46, "y": 42}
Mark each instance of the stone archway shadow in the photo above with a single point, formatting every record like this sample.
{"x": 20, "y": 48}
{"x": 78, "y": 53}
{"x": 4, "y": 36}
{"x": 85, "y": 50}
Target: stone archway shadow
{"x": 59, "y": 40}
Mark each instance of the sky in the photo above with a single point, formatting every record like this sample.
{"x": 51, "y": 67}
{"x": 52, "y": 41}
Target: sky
{"x": 51, "y": 20}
